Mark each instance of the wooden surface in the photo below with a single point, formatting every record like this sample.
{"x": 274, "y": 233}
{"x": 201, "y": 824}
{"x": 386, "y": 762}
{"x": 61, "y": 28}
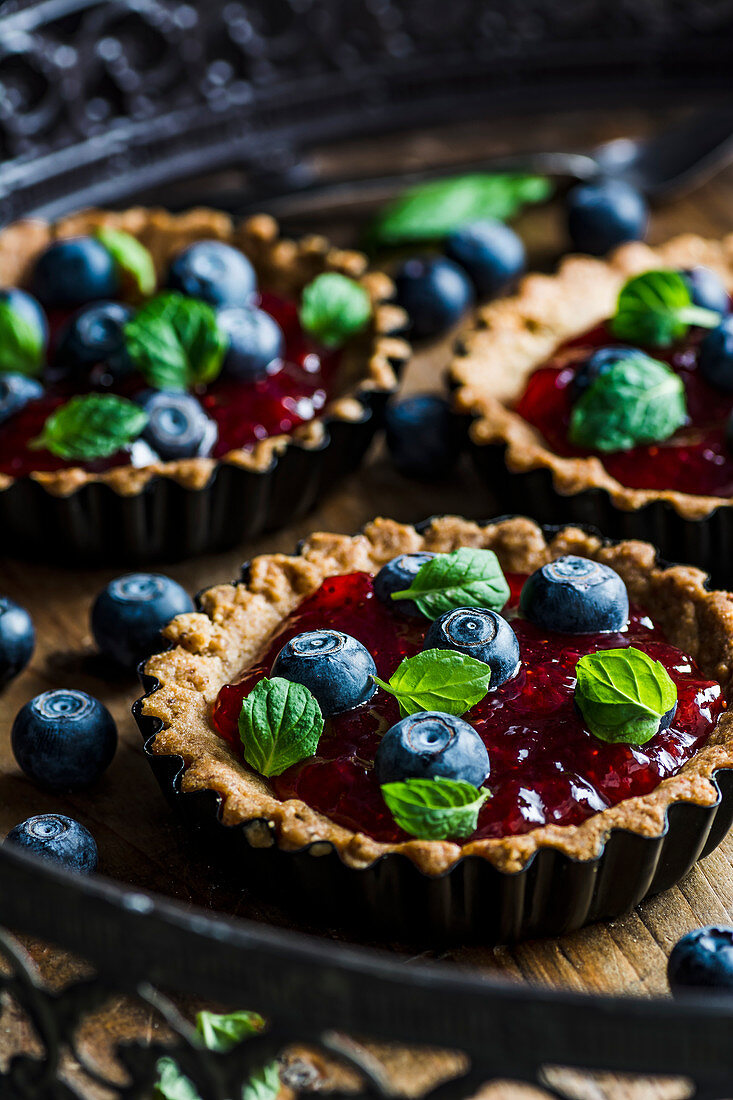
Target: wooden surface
{"x": 139, "y": 840}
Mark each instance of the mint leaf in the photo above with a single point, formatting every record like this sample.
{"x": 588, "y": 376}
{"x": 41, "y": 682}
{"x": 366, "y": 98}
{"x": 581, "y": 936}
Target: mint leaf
{"x": 172, "y": 1083}
{"x": 133, "y": 261}
{"x": 93, "y": 425}
{"x": 176, "y": 342}
{"x": 431, "y": 211}
{"x": 264, "y": 1084}
{"x": 656, "y": 308}
{"x": 623, "y": 694}
{"x": 334, "y": 308}
{"x": 463, "y": 578}
{"x": 435, "y": 809}
{"x": 639, "y": 400}
{"x": 21, "y": 343}
{"x": 280, "y": 724}
{"x": 223, "y": 1031}
{"x": 438, "y": 679}
{"x": 219, "y": 1033}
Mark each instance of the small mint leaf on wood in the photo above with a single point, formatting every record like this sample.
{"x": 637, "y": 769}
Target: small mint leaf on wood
{"x": 280, "y": 724}
{"x": 435, "y": 809}
{"x": 334, "y": 308}
{"x": 438, "y": 679}
{"x": 467, "y": 577}
{"x": 624, "y": 694}
{"x": 91, "y": 426}
{"x": 656, "y": 308}
{"x": 175, "y": 342}
{"x": 21, "y": 343}
{"x": 132, "y": 259}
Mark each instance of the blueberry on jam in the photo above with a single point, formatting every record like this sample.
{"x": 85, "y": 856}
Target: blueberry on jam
{"x": 706, "y": 289}
{"x": 335, "y": 667}
{"x": 397, "y": 575}
{"x": 59, "y": 839}
{"x": 214, "y": 272}
{"x": 16, "y": 390}
{"x": 435, "y": 293}
{"x": 73, "y": 272}
{"x": 605, "y": 214}
{"x": 490, "y": 252}
{"x": 431, "y": 745}
{"x": 702, "y": 960}
{"x": 599, "y": 362}
{"x": 574, "y": 595}
{"x": 256, "y": 341}
{"x": 716, "y": 356}
{"x": 95, "y": 335}
{"x": 481, "y": 634}
{"x": 177, "y": 427}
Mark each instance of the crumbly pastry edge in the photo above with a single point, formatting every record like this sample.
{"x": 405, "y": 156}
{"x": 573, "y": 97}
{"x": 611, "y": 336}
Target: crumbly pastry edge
{"x": 211, "y": 647}
{"x": 513, "y": 336}
{"x": 282, "y": 265}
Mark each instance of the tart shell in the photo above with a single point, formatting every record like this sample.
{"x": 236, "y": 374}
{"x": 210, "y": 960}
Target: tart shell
{"x": 171, "y": 510}
{"x": 544, "y": 882}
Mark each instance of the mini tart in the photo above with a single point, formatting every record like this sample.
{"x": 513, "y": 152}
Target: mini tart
{"x": 211, "y": 647}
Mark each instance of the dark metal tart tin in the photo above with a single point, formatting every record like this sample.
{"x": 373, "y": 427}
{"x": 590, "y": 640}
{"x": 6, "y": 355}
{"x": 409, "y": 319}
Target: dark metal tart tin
{"x": 473, "y": 901}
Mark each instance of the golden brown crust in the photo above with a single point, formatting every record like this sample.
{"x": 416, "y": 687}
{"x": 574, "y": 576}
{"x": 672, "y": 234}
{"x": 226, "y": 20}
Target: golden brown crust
{"x": 513, "y": 336}
{"x": 283, "y": 266}
{"x": 211, "y": 647}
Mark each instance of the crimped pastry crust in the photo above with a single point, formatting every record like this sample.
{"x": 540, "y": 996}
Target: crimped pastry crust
{"x": 513, "y": 336}
{"x": 284, "y": 266}
{"x": 211, "y": 647}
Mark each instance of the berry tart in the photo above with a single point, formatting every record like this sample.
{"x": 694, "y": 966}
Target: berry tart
{"x": 458, "y": 730}
{"x": 171, "y": 384}
{"x": 603, "y": 394}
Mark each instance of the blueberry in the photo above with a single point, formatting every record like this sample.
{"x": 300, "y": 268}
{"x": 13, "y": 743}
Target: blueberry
{"x": 59, "y": 839}
{"x": 397, "y": 575}
{"x": 431, "y": 745}
{"x": 255, "y": 341}
{"x": 16, "y": 390}
{"x": 707, "y": 289}
{"x": 603, "y": 214}
{"x": 435, "y": 292}
{"x": 702, "y": 959}
{"x": 178, "y": 426}
{"x": 334, "y": 666}
{"x": 481, "y": 634}
{"x": 95, "y": 335}
{"x": 424, "y": 438}
{"x": 17, "y": 639}
{"x": 64, "y": 739}
{"x": 129, "y": 614}
{"x": 575, "y": 596}
{"x": 490, "y": 252}
{"x": 214, "y": 272}
{"x": 73, "y": 272}
{"x": 715, "y": 362}
{"x": 27, "y": 308}
{"x": 599, "y": 362}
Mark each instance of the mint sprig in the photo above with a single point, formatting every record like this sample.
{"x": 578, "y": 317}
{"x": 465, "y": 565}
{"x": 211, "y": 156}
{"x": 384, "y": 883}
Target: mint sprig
{"x": 222, "y": 1031}
{"x": 656, "y": 308}
{"x": 21, "y": 343}
{"x": 93, "y": 425}
{"x": 623, "y": 694}
{"x": 175, "y": 342}
{"x": 334, "y": 308}
{"x": 464, "y": 578}
{"x": 132, "y": 259}
{"x": 280, "y": 724}
{"x": 435, "y": 809}
{"x": 438, "y": 679}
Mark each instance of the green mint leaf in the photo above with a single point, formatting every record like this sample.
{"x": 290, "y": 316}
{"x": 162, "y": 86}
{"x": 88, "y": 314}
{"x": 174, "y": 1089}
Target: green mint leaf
{"x": 463, "y": 578}
{"x": 435, "y": 809}
{"x": 622, "y": 694}
{"x": 93, "y": 425}
{"x": 223, "y": 1031}
{"x": 172, "y": 1083}
{"x": 334, "y": 308}
{"x": 638, "y": 400}
{"x": 219, "y": 1033}
{"x": 21, "y": 343}
{"x": 432, "y": 210}
{"x": 438, "y": 679}
{"x": 175, "y": 342}
{"x": 132, "y": 258}
{"x": 656, "y": 308}
{"x": 264, "y": 1084}
{"x": 280, "y": 724}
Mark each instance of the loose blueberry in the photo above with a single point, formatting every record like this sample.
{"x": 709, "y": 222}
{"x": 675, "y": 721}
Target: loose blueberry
{"x": 95, "y": 335}
{"x": 129, "y": 614}
{"x": 73, "y": 272}
{"x": 397, "y": 575}
{"x": 702, "y": 959}
{"x": 604, "y": 214}
{"x": 178, "y": 426}
{"x": 490, "y": 252}
{"x": 59, "y": 839}
{"x": 435, "y": 292}
{"x": 716, "y": 356}
{"x": 64, "y": 739}
{"x": 17, "y": 639}
{"x": 16, "y": 390}
{"x": 26, "y": 306}
{"x": 335, "y": 667}
{"x": 481, "y": 634}
{"x": 214, "y": 272}
{"x": 424, "y": 438}
{"x": 707, "y": 289}
{"x": 256, "y": 342}
{"x": 431, "y": 745}
{"x": 575, "y": 595}
{"x": 599, "y": 362}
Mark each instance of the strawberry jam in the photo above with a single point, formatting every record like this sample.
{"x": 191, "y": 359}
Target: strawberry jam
{"x": 694, "y": 460}
{"x": 245, "y": 412}
{"x": 546, "y": 768}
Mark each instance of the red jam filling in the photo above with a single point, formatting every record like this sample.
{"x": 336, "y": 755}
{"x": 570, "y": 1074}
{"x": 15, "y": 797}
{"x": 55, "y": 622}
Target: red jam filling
{"x": 694, "y": 460}
{"x": 245, "y": 412}
{"x": 546, "y": 768}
